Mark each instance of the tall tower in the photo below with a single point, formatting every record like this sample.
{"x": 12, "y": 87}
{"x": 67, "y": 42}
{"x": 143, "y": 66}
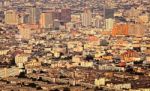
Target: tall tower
{"x": 47, "y": 19}
{"x": 86, "y": 17}
{"x": 108, "y": 12}
{"x": 34, "y": 14}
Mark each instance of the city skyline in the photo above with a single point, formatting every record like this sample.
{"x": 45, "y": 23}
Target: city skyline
{"x": 75, "y": 45}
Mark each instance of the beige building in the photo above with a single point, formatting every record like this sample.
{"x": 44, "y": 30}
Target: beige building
{"x": 109, "y": 24}
{"x": 100, "y": 82}
{"x": 21, "y": 58}
{"x": 46, "y": 20}
{"x": 11, "y": 17}
{"x": 86, "y": 18}
{"x": 3, "y": 52}
{"x": 6, "y": 72}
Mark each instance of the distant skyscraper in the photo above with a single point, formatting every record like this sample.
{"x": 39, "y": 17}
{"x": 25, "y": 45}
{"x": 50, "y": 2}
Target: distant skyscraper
{"x": 57, "y": 14}
{"x": 109, "y": 13}
{"x": 34, "y": 14}
{"x": 65, "y": 15}
{"x": 1, "y": 3}
{"x": 46, "y": 19}
{"x": 96, "y": 22}
{"x": 7, "y": 2}
{"x": 11, "y": 17}
{"x": 26, "y": 19}
{"x": 2, "y": 16}
{"x": 86, "y": 18}
{"x": 56, "y": 24}
{"x": 109, "y": 23}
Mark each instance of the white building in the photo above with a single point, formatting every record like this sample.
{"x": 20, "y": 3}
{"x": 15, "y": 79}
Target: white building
{"x": 109, "y": 24}
{"x": 3, "y": 52}
{"x": 86, "y": 18}
{"x": 6, "y": 72}
{"x": 100, "y": 82}
{"x": 21, "y": 58}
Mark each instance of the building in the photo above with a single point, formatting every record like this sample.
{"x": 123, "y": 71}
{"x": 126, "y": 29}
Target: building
{"x": 100, "y": 82}
{"x": 143, "y": 18}
{"x": 86, "y": 64}
{"x": 25, "y": 18}
{"x": 76, "y": 59}
{"x": 97, "y": 21}
{"x": 7, "y": 72}
{"x": 86, "y": 17}
{"x": 56, "y": 24}
{"x": 21, "y": 59}
{"x": 75, "y": 18}
{"x": 120, "y": 29}
{"x": 3, "y": 51}
{"x": 57, "y": 14}
{"x": 26, "y": 30}
{"x": 7, "y": 2}
{"x": 130, "y": 55}
{"x": 109, "y": 24}
{"x": 137, "y": 30}
{"x": 11, "y": 17}
{"x": 47, "y": 19}
{"x": 34, "y": 15}
{"x": 109, "y": 13}
{"x": 65, "y": 15}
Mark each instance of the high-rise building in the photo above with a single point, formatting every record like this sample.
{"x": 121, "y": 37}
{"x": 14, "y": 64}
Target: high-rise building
{"x": 7, "y": 2}
{"x": 120, "y": 29}
{"x": 26, "y": 19}
{"x": 86, "y": 17}
{"x": 57, "y": 14}
{"x": 34, "y": 14}
{"x": 56, "y": 24}
{"x": 46, "y": 19}
{"x": 109, "y": 24}
{"x": 65, "y": 15}
{"x": 2, "y": 16}
{"x": 23, "y": 18}
{"x": 109, "y": 13}
{"x": 11, "y": 17}
{"x": 97, "y": 21}
{"x": 1, "y": 3}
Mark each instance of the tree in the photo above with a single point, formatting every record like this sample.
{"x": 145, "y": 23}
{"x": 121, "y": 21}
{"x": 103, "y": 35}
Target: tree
{"x": 66, "y": 89}
{"x": 54, "y": 90}
{"x": 89, "y": 57}
{"x": 129, "y": 69}
{"x": 39, "y": 88}
{"x": 104, "y": 43}
{"x": 12, "y": 62}
{"x": 22, "y": 75}
{"x": 32, "y": 85}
